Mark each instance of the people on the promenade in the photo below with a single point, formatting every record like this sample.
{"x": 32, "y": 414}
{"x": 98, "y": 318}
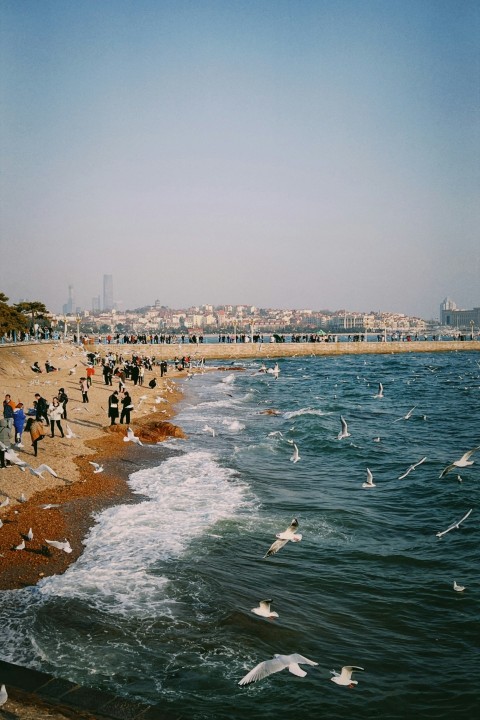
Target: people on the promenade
{"x": 113, "y": 407}
{"x": 84, "y": 389}
{"x": 141, "y": 374}
{"x": 19, "y": 418}
{"x": 127, "y": 407}
{"x": 55, "y": 413}
{"x": 41, "y": 408}
{"x": 5, "y": 440}
{"x": 63, "y": 400}
{"x": 35, "y": 427}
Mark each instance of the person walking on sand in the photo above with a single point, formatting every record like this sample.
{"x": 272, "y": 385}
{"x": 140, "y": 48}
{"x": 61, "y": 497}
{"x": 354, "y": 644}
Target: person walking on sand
{"x": 55, "y": 413}
{"x": 35, "y": 428}
{"x": 63, "y": 400}
{"x": 84, "y": 389}
{"x": 127, "y": 407}
{"x": 19, "y": 418}
{"x": 113, "y": 407}
{"x": 41, "y": 408}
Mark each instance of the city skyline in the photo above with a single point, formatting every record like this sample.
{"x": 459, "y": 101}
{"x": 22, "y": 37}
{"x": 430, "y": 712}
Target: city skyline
{"x": 314, "y": 154}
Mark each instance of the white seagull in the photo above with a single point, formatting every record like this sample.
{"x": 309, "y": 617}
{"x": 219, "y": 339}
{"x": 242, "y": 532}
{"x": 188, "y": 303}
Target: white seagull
{"x": 369, "y": 481}
{"x": 454, "y": 525}
{"x": 263, "y": 609}
{"x": 5, "y": 502}
{"x": 344, "y": 431}
{"x": 131, "y": 437}
{"x": 22, "y": 498}
{"x": 458, "y": 588}
{"x": 207, "y": 428}
{"x": 296, "y": 455}
{"x": 15, "y": 459}
{"x": 3, "y": 695}
{"x": 380, "y": 391}
{"x": 49, "y": 506}
{"x": 70, "y": 434}
{"x": 284, "y": 537}
{"x": 21, "y": 546}
{"x": 464, "y": 461}
{"x": 65, "y": 546}
{"x": 407, "y": 416}
{"x": 41, "y": 469}
{"x": 29, "y": 535}
{"x": 412, "y": 467}
{"x": 345, "y": 676}
{"x": 98, "y": 468}
{"x": 278, "y": 663}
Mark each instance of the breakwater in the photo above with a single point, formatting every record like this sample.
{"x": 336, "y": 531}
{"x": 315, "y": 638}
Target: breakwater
{"x": 235, "y": 351}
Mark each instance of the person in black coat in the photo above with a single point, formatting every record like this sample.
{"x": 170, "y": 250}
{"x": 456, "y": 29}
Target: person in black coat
{"x": 41, "y": 409}
{"x": 127, "y": 407}
{"x": 113, "y": 407}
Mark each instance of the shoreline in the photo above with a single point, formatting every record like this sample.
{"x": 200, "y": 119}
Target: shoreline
{"x": 78, "y": 491}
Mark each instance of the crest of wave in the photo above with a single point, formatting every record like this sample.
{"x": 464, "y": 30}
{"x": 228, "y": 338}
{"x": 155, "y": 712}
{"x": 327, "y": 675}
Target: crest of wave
{"x": 186, "y": 496}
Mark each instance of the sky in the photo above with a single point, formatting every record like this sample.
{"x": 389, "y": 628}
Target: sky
{"x": 278, "y": 153}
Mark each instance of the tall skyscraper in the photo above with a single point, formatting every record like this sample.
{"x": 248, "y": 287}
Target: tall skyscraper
{"x": 108, "y": 292}
{"x": 69, "y": 307}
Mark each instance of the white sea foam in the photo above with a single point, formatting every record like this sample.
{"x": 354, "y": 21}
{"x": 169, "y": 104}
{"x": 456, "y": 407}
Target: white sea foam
{"x": 187, "y": 496}
{"x": 303, "y": 411}
{"x": 233, "y": 425}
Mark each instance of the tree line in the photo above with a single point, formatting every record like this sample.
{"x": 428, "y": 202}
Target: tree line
{"x": 20, "y": 317}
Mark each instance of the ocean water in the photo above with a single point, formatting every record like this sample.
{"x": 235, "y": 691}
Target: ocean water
{"x": 158, "y": 607}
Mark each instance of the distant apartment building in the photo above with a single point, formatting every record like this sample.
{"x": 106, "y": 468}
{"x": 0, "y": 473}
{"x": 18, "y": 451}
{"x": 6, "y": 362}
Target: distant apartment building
{"x": 451, "y": 316}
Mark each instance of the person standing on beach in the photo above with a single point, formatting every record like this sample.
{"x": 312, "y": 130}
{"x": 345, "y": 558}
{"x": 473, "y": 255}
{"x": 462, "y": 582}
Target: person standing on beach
{"x": 41, "y": 408}
{"x": 127, "y": 407}
{"x": 63, "y": 400}
{"x": 113, "y": 407}
{"x": 35, "y": 428}
{"x": 19, "y": 423}
{"x": 84, "y": 389}
{"x": 5, "y": 440}
{"x": 55, "y": 412}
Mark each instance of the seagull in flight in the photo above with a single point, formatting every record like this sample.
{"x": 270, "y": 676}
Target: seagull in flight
{"x": 278, "y": 663}
{"x": 458, "y": 588}
{"x": 369, "y": 481}
{"x": 263, "y": 609}
{"x": 345, "y": 676}
{"x": 284, "y": 537}
{"x": 48, "y": 506}
{"x": 70, "y": 434}
{"x": 98, "y": 468}
{"x": 41, "y": 469}
{"x": 464, "y": 461}
{"x": 207, "y": 428}
{"x": 65, "y": 546}
{"x": 296, "y": 455}
{"x": 344, "y": 431}
{"x": 455, "y": 525}
{"x": 131, "y": 437}
{"x": 412, "y": 467}
{"x": 15, "y": 459}
{"x": 407, "y": 416}
{"x": 380, "y": 391}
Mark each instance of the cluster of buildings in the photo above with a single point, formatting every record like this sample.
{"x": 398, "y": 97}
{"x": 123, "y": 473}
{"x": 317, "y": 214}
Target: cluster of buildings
{"x": 106, "y": 317}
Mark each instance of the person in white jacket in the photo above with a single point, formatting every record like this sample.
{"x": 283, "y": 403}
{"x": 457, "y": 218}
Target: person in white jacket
{"x": 55, "y": 414}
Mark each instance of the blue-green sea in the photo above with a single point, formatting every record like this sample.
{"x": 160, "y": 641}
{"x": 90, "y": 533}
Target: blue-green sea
{"x": 158, "y": 607}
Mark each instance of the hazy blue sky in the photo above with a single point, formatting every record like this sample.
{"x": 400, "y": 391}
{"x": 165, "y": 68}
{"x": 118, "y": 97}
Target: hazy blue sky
{"x": 280, "y": 153}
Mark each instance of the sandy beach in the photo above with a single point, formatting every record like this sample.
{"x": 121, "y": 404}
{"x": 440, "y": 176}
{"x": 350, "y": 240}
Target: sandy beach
{"x": 77, "y": 490}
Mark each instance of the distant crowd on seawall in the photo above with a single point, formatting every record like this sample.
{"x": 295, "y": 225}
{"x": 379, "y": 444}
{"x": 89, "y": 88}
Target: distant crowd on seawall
{"x": 49, "y": 335}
